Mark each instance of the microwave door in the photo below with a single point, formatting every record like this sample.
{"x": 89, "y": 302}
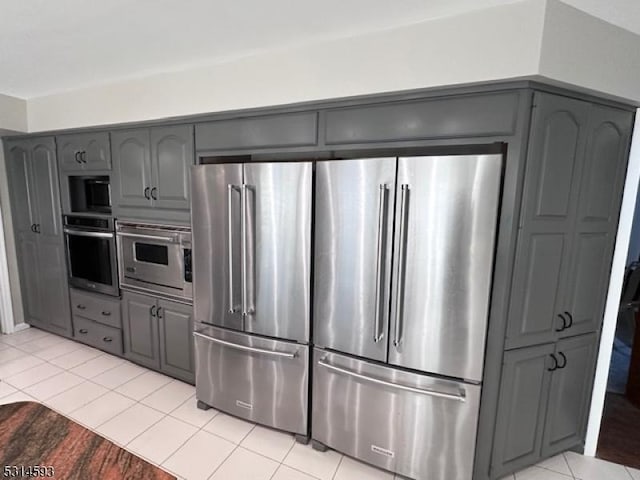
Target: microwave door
{"x": 156, "y": 262}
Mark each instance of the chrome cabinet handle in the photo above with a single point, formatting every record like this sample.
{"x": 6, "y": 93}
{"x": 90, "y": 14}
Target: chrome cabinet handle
{"x": 246, "y": 348}
{"x": 38, "y": 228}
{"x": 107, "y": 339}
{"x": 158, "y": 310}
{"x": 80, "y": 307}
{"x": 570, "y": 319}
{"x": 461, "y": 397}
{"x": 83, "y": 331}
{"x": 152, "y": 310}
{"x": 106, "y": 313}
{"x": 77, "y": 157}
{"x": 230, "y": 189}
{"x": 33, "y": 227}
{"x": 83, "y": 158}
{"x": 555, "y": 363}
{"x": 146, "y": 193}
{"x": 404, "y": 205}
{"x": 564, "y": 360}
{"x": 564, "y": 323}
{"x": 382, "y": 216}
{"x": 153, "y": 193}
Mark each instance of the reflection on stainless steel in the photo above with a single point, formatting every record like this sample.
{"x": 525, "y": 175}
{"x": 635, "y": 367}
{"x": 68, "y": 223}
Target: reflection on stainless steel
{"x": 258, "y": 383}
{"x": 398, "y": 429}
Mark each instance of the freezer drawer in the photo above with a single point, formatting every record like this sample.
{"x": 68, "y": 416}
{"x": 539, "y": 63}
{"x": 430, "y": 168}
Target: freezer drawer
{"x": 416, "y": 425}
{"x": 262, "y": 380}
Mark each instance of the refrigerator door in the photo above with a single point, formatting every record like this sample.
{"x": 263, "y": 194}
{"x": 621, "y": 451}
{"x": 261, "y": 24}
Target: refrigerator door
{"x": 216, "y": 241}
{"x": 352, "y": 268}
{"x": 416, "y": 425}
{"x": 276, "y": 249}
{"x": 446, "y": 219}
{"x": 262, "y": 380}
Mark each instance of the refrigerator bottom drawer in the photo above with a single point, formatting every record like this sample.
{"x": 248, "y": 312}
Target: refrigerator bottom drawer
{"x": 415, "y": 425}
{"x": 262, "y": 380}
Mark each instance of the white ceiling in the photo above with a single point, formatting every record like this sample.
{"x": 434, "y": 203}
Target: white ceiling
{"x": 50, "y": 46}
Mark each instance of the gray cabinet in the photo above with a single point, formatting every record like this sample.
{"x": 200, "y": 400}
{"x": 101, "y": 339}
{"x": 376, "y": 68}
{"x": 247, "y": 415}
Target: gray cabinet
{"x": 151, "y": 172}
{"x": 84, "y": 152}
{"x": 35, "y": 200}
{"x": 159, "y": 334}
{"x": 96, "y": 320}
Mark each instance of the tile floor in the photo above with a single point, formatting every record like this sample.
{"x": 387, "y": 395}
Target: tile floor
{"x": 156, "y": 417}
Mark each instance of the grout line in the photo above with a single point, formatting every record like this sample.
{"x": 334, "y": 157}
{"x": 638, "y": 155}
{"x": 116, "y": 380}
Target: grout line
{"x": 338, "y": 468}
{"x": 566, "y": 460}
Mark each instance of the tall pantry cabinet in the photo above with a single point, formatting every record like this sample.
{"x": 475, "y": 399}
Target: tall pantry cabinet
{"x": 37, "y": 222}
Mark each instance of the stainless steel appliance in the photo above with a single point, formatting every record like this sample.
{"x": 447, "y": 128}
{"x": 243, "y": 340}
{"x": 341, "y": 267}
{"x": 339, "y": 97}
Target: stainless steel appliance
{"x": 155, "y": 259}
{"x": 403, "y": 266}
{"x": 252, "y": 273}
{"x": 90, "y": 193}
{"x": 91, "y": 254}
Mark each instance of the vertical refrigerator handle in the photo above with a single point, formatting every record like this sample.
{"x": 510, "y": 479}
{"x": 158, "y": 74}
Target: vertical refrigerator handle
{"x": 382, "y": 217}
{"x": 247, "y": 307}
{"x": 230, "y": 189}
{"x": 402, "y": 240}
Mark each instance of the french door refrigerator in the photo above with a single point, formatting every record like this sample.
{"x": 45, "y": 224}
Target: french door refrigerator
{"x": 402, "y": 276}
{"x": 251, "y": 226}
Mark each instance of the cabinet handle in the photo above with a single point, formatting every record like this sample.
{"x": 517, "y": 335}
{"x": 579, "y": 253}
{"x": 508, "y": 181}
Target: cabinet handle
{"x": 555, "y": 363}
{"x": 83, "y": 331}
{"x": 153, "y": 310}
{"x": 76, "y": 157}
{"x": 106, "y": 314}
{"x": 80, "y": 307}
{"x": 564, "y": 360}
{"x": 38, "y": 228}
{"x": 570, "y": 319}
{"x": 153, "y": 193}
{"x": 83, "y": 157}
{"x": 146, "y": 193}
{"x": 33, "y": 227}
{"x": 565, "y": 323}
{"x": 158, "y": 312}
{"x": 107, "y": 339}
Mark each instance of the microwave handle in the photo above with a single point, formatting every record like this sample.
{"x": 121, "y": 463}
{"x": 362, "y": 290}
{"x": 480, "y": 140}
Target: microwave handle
{"x": 148, "y": 237}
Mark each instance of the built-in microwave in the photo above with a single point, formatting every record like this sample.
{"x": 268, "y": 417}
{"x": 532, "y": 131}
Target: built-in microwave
{"x": 90, "y": 194}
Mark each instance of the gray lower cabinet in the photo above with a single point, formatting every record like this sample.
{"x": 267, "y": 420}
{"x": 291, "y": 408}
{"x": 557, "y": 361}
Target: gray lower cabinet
{"x": 159, "y": 334}
{"x": 96, "y": 320}
{"x": 35, "y": 202}
{"x": 84, "y": 152}
{"x": 152, "y": 172}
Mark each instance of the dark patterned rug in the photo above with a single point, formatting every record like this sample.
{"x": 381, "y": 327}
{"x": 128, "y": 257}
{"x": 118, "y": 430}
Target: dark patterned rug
{"x": 36, "y": 442}
{"x": 619, "y": 439}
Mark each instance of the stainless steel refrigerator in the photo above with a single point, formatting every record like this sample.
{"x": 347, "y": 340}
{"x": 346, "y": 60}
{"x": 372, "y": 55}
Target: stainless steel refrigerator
{"x": 403, "y": 265}
{"x": 251, "y": 228}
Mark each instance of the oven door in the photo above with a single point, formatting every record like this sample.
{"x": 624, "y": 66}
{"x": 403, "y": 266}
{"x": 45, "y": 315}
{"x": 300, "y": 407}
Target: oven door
{"x": 151, "y": 260}
{"x": 91, "y": 258}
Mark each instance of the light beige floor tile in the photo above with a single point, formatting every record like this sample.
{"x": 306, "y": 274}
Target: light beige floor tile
{"x": 190, "y": 413}
{"x": 170, "y": 396}
{"x": 288, "y": 473}
{"x": 53, "y": 385}
{"x": 102, "y": 409}
{"x": 6, "y": 389}
{"x": 58, "y": 350}
{"x": 162, "y": 439}
{"x": 589, "y": 468}
{"x": 75, "y": 358}
{"x": 268, "y": 442}
{"x": 322, "y": 465}
{"x": 556, "y": 464}
{"x": 33, "y": 375}
{"x": 76, "y": 397}
{"x": 537, "y": 473}
{"x": 19, "y": 365}
{"x": 635, "y": 474}
{"x": 11, "y": 353}
{"x": 141, "y": 386}
{"x": 243, "y": 464}
{"x": 127, "y": 425}
{"x": 18, "y": 396}
{"x": 350, "y": 468}
{"x": 24, "y": 336}
{"x": 98, "y": 365}
{"x": 41, "y": 343}
{"x": 231, "y": 428}
{"x": 119, "y": 375}
{"x": 199, "y": 456}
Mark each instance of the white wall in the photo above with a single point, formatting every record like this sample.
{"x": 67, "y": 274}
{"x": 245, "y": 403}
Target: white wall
{"x": 496, "y": 43}
{"x": 13, "y": 114}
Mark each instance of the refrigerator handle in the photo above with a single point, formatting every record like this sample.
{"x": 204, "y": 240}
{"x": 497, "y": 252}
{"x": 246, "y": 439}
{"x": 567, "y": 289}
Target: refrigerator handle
{"x": 461, "y": 397}
{"x": 230, "y": 189}
{"x": 247, "y": 348}
{"x": 402, "y": 240}
{"x": 247, "y": 307}
{"x": 382, "y": 217}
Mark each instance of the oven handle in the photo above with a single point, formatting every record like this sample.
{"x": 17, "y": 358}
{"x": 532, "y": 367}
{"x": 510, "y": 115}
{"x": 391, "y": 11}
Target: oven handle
{"x": 82, "y": 233}
{"x": 156, "y": 238}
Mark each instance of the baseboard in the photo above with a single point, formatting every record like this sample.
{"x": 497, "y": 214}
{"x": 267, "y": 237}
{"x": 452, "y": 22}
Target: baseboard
{"x": 21, "y": 326}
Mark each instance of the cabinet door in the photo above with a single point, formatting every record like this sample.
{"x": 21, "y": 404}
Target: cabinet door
{"x": 21, "y": 187}
{"x": 96, "y": 151}
{"x": 171, "y": 159}
{"x": 47, "y": 191}
{"x": 140, "y": 328}
{"x": 555, "y": 156}
{"x": 69, "y": 153}
{"x": 176, "y": 339}
{"x": 524, "y": 389}
{"x": 53, "y": 286}
{"x": 597, "y": 218}
{"x": 570, "y": 394}
{"x": 132, "y": 168}
{"x": 27, "y": 250}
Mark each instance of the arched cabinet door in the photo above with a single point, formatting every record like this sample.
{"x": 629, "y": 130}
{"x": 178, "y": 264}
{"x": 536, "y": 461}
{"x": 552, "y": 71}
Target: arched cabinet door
{"x": 171, "y": 159}
{"x": 131, "y": 169}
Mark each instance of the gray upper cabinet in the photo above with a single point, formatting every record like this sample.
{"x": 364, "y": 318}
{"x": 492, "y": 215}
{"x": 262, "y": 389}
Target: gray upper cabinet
{"x": 35, "y": 200}
{"x": 151, "y": 172}
{"x": 84, "y": 152}
{"x": 175, "y": 322}
{"x": 140, "y": 329}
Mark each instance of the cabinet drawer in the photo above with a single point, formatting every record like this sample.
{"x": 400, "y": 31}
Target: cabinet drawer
{"x": 96, "y": 307}
{"x": 100, "y": 336}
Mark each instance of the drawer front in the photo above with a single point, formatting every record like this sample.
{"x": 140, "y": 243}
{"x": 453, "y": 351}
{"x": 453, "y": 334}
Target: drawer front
{"x": 97, "y": 335}
{"x": 370, "y": 412}
{"x": 265, "y": 381}
{"x": 104, "y": 310}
